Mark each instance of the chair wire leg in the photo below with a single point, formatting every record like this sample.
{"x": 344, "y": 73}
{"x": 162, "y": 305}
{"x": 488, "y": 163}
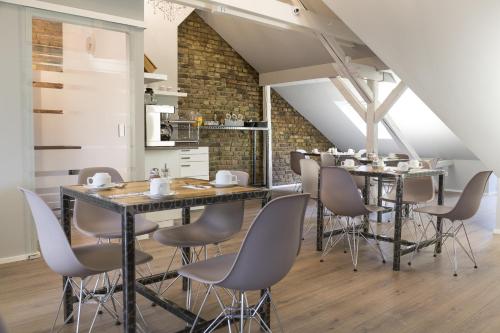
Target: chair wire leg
{"x": 275, "y": 310}
{"x": 159, "y": 293}
{"x": 377, "y": 243}
{"x": 201, "y": 308}
{"x": 455, "y": 259}
{"x": 60, "y": 304}
{"x": 468, "y": 242}
{"x": 242, "y": 312}
{"x": 80, "y": 302}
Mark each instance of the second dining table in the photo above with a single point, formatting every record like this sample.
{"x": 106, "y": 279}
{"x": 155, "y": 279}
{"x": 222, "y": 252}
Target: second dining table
{"x": 128, "y": 201}
{"x": 401, "y": 246}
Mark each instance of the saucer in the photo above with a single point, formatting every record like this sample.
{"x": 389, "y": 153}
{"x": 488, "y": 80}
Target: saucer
{"x": 102, "y": 187}
{"x": 349, "y": 167}
{"x": 158, "y": 196}
{"x": 213, "y": 183}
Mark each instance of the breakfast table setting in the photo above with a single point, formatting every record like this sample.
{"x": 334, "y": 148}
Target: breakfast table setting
{"x": 138, "y": 197}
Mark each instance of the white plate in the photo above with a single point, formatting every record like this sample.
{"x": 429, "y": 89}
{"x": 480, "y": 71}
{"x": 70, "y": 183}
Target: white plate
{"x": 213, "y": 183}
{"x": 419, "y": 167}
{"x": 349, "y": 167}
{"x": 104, "y": 187}
{"x": 158, "y": 196}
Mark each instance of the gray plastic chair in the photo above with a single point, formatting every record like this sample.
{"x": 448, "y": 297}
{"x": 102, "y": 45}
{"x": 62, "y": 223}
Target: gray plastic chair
{"x": 310, "y": 176}
{"x": 99, "y": 222}
{"x": 340, "y": 195}
{"x": 218, "y": 223}
{"x": 328, "y": 160}
{"x": 80, "y": 262}
{"x": 295, "y": 157}
{"x": 465, "y": 208}
{"x": 265, "y": 257}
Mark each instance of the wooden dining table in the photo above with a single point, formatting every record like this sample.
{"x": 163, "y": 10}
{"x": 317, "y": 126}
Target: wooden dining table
{"x": 401, "y": 246}
{"x": 130, "y": 200}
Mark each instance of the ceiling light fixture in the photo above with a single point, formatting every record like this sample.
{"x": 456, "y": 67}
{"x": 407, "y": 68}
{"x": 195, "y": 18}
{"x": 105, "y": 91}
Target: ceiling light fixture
{"x": 169, "y": 10}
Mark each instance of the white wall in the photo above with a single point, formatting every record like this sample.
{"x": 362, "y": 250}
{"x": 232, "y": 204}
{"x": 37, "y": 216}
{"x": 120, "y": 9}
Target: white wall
{"x": 160, "y": 42}
{"x": 462, "y": 171}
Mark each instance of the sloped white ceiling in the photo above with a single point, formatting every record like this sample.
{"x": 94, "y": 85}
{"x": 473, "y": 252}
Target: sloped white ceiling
{"x": 269, "y": 49}
{"x": 447, "y": 51}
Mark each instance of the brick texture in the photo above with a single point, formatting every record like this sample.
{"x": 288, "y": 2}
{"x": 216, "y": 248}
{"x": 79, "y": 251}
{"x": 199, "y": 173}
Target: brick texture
{"x": 47, "y": 39}
{"x": 219, "y": 81}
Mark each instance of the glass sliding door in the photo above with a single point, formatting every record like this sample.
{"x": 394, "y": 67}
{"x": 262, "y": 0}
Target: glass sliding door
{"x": 81, "y": 103}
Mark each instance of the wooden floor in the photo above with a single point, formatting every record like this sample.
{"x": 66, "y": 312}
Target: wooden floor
{"x": 314, "y": 297}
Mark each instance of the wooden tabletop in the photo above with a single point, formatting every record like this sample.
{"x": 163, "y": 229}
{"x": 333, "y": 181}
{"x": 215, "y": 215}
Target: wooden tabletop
{"x": 185, "y": 192}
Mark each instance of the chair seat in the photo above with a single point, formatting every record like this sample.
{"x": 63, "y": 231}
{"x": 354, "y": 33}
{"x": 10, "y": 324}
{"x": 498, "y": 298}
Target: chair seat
{"x": 439, "y": 211}
{"x": 111, "y": 228}
{"x": 194, "y": 234}
{"x": 211, "y": 271}
{"x": 101, "y": 258}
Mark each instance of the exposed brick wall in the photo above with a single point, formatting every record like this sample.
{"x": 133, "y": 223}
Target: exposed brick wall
{"x": 291, "y": 131}
{"x": 219, "y": 81}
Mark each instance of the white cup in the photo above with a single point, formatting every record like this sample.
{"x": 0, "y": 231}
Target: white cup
{"x": 348, "y": 163}
{"x": 159, "y": 186}
{"x": 403, "y": 166}
{"x": 392, "y": 155}
{"x": 415, "y": 164}
{"x": 350, "y": 151}
{"x": 315, "y": 151}
{"x": 225, "y": 177}
{"x": 99, "y": 179}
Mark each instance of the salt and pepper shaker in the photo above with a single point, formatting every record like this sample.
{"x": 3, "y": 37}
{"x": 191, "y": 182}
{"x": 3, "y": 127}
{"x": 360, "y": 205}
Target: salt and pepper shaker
{"x": 165, "y": 171}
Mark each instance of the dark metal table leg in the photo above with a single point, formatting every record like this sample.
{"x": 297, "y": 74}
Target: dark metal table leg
{"x": 265, "y": 312}
{"x": 319, "y": 220}
{"x": 266, "y": 309}
{"x": 128, "y": 271}
{"x": 379, "y": 198}
{"x": 398, "y": 224}
{"x": 367, "y": 202}
{"x": 66, "y": 224}
{"x": 186, "y": 251}
{"x": 439, "y": 224}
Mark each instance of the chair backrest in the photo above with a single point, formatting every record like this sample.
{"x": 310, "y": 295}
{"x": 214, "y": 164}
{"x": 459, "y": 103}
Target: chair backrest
{"x": 54, "y": 245}
{"x": 339, "y": 193}
{"x": 328, "y": 160}
{"x": 310, "y": 176}
{"x": 295, "y": 158}
{"x": 470, "y": 199}
{"x": 242, "y": 177}
{"x": 225, "y": 219}
{"x": 270, "y": 246}
{"x": 86, "y": 215}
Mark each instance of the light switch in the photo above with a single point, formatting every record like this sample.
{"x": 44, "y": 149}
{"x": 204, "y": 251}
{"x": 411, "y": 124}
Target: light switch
{"x": 121, "y": 130}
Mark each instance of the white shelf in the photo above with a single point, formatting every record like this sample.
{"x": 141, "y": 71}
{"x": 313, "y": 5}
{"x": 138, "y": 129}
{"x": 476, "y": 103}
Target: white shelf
{"x": 170, "y": 93}
{"x": 154, "y": 77}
